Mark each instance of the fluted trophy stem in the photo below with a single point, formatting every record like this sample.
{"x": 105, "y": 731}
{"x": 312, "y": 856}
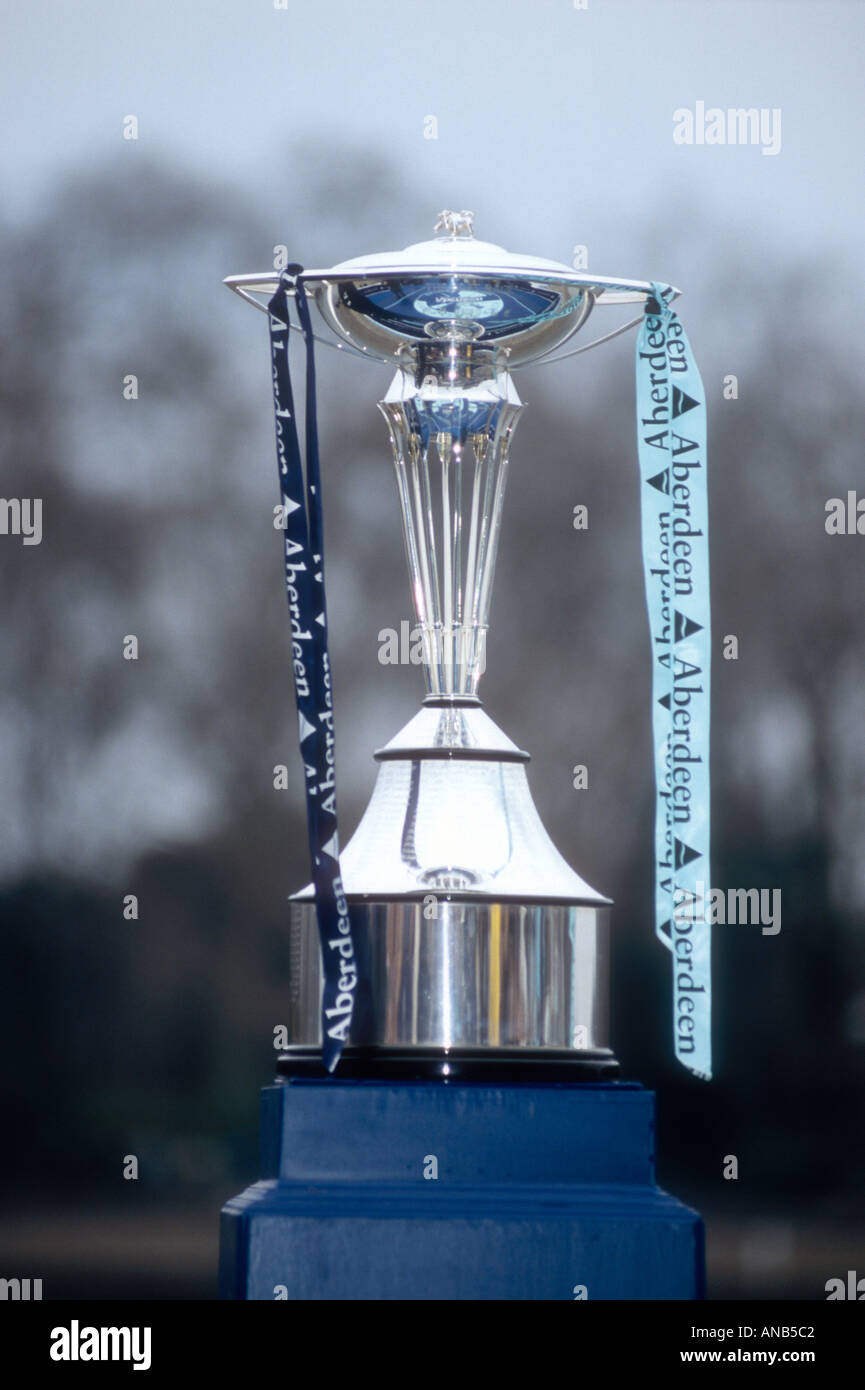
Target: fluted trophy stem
{"x": 450, "y": 447}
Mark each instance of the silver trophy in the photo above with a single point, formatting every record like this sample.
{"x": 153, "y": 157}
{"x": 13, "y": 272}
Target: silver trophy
{"x": 488, "y": 953}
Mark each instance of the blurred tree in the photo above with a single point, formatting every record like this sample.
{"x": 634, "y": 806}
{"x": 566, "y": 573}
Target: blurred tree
{"x": 155, "y": 776}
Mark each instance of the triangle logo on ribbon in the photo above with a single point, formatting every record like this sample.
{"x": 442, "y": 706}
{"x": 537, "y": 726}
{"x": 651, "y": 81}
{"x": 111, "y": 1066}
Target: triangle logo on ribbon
{"x": 664, "y": 700}
{"x": 332, "y": 847}
{"x": 304, "y": 726}
{"x": 289, "y": 504}
{"x": 683, "y": 854}
{"x": 661, "y": 481}
{"x": 682, "y": 402}
{"x": 684, "y": 627}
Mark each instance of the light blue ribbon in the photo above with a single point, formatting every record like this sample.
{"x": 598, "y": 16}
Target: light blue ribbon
{"x": 671, "y": 430}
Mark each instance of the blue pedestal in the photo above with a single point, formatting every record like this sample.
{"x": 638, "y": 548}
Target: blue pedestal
{"x": 439, "y": 1190}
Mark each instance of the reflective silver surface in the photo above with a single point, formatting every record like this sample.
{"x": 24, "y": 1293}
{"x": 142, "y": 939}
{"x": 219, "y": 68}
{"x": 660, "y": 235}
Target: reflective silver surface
{"x": 491, "y": 975}
{"x": 382, "y": 303}
{"x": 358, "y": 329}
{"x": 475, "y": 271}
{"x": 452, "y": 810}
{"x": 451, "y": 486}
{"x": 481, "y": 934}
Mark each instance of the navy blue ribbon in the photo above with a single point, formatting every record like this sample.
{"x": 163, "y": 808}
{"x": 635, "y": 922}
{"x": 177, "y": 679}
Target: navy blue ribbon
{"x": 341, "y": 932}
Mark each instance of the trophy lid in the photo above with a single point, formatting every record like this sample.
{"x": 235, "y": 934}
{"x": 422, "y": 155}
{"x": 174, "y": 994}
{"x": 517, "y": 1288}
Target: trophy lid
{"x": 454, "y": 249}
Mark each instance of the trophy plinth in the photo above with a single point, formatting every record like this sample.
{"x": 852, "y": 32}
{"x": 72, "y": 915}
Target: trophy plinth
{"x": 447, "y": 1191}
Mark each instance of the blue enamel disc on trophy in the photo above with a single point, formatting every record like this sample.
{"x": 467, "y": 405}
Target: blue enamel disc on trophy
{"x": 459, "y": 304}
{"x": 408, "y": 305}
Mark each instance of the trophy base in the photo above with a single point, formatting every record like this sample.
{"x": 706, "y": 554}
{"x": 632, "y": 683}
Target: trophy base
{"x": 479, "y": 980}
{"x": 484, "y": 953}
{"x": 481, "y": 1064}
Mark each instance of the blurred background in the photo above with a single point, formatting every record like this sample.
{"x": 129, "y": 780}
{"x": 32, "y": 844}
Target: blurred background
{"x": 308, "y": 126}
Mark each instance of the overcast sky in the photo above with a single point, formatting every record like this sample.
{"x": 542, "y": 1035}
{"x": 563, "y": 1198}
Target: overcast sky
{"x": 554, "y": 123}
